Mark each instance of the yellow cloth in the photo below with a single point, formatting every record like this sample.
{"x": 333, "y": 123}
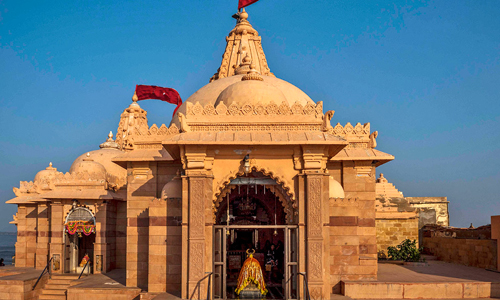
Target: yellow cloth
{"x": 251, "y": 272}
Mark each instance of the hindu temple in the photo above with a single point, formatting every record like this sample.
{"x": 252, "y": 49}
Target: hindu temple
{"x": 251, "y": 189}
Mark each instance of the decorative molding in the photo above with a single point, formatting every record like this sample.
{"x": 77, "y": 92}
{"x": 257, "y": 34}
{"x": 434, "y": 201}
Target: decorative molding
{"x": 246, "y": 109}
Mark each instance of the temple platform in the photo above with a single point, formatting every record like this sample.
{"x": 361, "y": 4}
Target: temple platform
{"x": 437, "y": 280}
{"x": 17, "y": 283}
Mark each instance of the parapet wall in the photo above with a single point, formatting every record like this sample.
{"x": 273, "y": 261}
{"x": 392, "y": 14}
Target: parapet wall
{"x": 469, "y": 252}
{"x": 467, "y": 246}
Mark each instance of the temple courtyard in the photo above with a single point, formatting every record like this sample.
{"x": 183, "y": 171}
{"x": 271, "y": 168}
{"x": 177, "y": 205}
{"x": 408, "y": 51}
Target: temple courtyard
{"x": 432, "y": 280}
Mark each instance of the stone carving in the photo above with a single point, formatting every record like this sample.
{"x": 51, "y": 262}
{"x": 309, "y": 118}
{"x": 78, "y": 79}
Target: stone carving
{"x": 314, "y": 223}
{"x": 196, "y": 264}
{"x": 133, "y": 121}
{"x": 348, "y": 129}
{"x": 184, "y": 125}
{"x": 80, "y": 176}
{"x": 245, "y": 109}
{"x": 163, "y": 130}
{"x": 373, "y": 141}
{"x": 326, "y": 121}
{"x": 315, "y": 260}
{"x": 26, "y": 187}
{"x": 344, "y": 201}
{"x": 196, "y": 207}
{"x": 243, "y": 41}
{"x": 316, "y": 293}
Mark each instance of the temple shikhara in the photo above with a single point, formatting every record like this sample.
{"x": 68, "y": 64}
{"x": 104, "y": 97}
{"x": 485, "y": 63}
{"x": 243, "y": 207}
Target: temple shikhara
{"x": 249, "y": 190}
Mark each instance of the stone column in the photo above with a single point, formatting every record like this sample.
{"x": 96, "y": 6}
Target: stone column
{"x": 21, "y": 236}
{"x": 42, "y": 244}
{"x": 56, "y": 232}
{"x": 31, "y": 222}
{"x": 314, "y": 237}
{"x": 196, "y": 236}
{"x": 141, "y": 189}
{"x": 100, "y": 244}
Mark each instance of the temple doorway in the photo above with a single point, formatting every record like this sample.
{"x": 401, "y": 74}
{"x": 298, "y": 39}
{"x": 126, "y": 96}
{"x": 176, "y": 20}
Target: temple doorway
{"x": 252, "y": 221}
{"x": 79, "y": 241}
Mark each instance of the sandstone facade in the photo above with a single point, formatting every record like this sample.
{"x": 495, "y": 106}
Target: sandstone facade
{"x": 157, "y": 198}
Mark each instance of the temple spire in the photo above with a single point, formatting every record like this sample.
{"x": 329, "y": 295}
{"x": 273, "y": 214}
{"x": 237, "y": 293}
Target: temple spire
{"x": 243, "y": 45}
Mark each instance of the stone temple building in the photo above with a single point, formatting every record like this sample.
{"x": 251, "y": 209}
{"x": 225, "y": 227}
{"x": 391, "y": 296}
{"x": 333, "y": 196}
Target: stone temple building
{"x": 248, "y": 161}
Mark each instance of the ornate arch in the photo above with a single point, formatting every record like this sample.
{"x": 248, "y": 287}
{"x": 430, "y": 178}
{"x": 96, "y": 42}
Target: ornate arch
{"x": 284, "y": 190}
{"x": 82, "y": 208}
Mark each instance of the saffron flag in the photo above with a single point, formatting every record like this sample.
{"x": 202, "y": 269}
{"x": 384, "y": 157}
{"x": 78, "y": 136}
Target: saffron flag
{"x": 169, "y": 95}
{"x": 244, "y": 3}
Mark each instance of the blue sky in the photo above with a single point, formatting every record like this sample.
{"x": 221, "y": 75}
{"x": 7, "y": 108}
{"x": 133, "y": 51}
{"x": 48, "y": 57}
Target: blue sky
{"x": 425, "y": 74}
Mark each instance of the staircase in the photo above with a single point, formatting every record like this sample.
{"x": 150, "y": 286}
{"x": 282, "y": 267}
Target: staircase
{"x": 55, "y": 288}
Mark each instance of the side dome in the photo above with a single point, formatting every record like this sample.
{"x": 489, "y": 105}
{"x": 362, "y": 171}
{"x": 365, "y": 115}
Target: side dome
{"x": 90, "y": 166}
{"x": 173, "y": 189}
{"x": 335, "y": 189}
{"x": 46, "y": 175}
{"x": 251, "y": 89}
{"x": 104, "y": 156}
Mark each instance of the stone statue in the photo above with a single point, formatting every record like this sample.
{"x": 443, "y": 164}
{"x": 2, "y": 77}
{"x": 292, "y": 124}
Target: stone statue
{"x": 373, "y": 141}
{"x": 184, "y": 125}
{"x": 327, "y": 127}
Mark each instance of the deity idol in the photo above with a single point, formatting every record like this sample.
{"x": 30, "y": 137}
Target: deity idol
{"x": 251, "y": 274}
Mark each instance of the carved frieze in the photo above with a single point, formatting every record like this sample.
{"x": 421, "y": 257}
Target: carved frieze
{"x": 314, "y": 223}
{"x": 246, "y": 109}
{"x": 196, "y": 207}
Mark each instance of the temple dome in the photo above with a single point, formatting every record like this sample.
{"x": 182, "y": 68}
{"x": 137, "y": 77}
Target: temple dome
{"x": 209, "y": 94}
{"x": 104, "y": 157}
{"x": 173, "y": 189}
{"x": 47, "y": 174}
{"x": 335, "y": 189}
{"x": 90, "y": 166}
{"x": 251, "y": 90}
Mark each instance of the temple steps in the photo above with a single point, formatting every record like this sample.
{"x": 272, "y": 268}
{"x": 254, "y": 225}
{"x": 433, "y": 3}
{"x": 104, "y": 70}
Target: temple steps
{"x": 56, "y": 287}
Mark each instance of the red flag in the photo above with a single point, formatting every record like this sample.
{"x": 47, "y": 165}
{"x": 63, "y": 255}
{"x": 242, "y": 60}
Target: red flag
{"x": 155, "y": 92}
{"x": 244, "y": 3}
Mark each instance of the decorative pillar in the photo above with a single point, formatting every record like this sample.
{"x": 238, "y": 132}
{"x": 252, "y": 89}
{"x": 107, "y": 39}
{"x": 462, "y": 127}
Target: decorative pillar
{"x": 314, "y": 237}
{"x": 314, "y": 166}
{"x": 197, "y": 168}
{"x": 196, "y": 236}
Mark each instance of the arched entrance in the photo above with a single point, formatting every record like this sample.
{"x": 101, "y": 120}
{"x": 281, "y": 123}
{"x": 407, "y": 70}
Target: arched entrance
{"x": 79, "y": 228}
{"x": 254, "y": 214}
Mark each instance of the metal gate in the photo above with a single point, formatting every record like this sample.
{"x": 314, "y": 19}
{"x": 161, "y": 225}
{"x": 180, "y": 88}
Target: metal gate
{"x": 290, "y": 259}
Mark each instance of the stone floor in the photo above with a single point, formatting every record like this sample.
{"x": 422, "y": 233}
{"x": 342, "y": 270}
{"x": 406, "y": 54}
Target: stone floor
{"x": 436, "y": 271}
{"x": 437, "y": 280}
